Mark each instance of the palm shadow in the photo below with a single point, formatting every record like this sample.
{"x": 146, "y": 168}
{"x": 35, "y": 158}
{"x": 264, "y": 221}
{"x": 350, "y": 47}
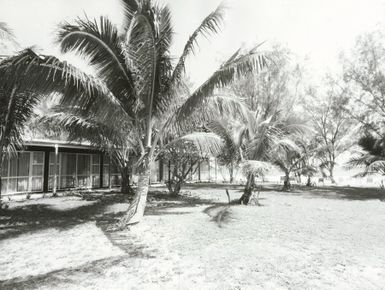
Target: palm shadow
{"x": 64, "y": 275}
{"x": 31, "y": 217}
{"x": 330, "y": 192}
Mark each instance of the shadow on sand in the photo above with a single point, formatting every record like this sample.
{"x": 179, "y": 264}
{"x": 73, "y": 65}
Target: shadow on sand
{"x": 330, "y": 192}
{"x": 65, "y": 275}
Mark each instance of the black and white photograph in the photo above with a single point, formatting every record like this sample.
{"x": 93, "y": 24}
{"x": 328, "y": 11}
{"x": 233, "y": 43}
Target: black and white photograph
{"x": 192, "y": 144}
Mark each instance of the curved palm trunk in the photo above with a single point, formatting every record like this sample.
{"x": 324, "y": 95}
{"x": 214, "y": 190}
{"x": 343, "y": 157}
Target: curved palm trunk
{"x": 136, "y": 209}
{"x": 250, "y": 185}
{"x": 1, "y": 170}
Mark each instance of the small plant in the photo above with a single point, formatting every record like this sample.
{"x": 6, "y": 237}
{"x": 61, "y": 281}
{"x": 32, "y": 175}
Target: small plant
{"x": 254, "y": 199}
{"x": 4, "y": 205}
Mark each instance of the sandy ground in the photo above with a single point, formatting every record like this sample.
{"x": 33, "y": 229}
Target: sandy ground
{"x": 331, "y": 238}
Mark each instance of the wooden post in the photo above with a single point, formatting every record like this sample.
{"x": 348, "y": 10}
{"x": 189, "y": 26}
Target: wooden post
{"x": 169, "y": 171}
{"x": 46, "y": 171}
{"x": 101, "y": 164}
{"x": 216, "y": 170}
{"x": 55, "y": 170}
{"x": 109, "y": 172}
{"x": 209, "y": 169}
{"x": 199, "y": 171}
{"x": 160, "y": 176}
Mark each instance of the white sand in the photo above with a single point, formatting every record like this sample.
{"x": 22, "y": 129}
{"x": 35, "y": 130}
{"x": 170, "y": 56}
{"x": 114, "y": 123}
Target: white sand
{"x": 291, "y": 242}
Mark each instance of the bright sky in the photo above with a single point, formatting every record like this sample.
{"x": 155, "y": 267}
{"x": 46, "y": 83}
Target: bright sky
{"x": 316, "y": 30}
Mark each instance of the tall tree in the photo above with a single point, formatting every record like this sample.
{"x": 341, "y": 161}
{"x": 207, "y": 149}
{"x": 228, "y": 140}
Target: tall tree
{"x": 231, "y": 132}
{"x": 364, "y": 76}
{"x": 135, "y": 78}
{"x": 14, "y": 108}
{"x": 185, "y": 153}
{"x": 332, "y": 124}
{"x": 270, "y": 99}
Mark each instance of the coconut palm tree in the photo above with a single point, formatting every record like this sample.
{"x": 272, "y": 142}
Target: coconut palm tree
{"x": 371, "y": 155}
{"x": 254, "y": 144}
{"x": 262, "y": 139}
{"x": 12, "y": 110}
{"x": 135, "y": 78}
{"x": 231, "y": 133}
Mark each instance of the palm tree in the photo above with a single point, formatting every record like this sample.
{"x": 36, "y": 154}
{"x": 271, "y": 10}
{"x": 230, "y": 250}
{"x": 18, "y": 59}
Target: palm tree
{"x": 293, "y": 156}
{"x": 371, "y": 155}
{"x": 263, "y": 139}
{"x": 231, "y": 133}
{"x": 16, "y": 107}
{"x": 135, "y": 78}
{"x": 254, "y": 145}
{"x": 12, "y": 110}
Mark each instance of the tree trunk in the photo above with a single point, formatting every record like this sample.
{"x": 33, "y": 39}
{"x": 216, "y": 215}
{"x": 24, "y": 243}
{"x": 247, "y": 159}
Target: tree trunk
{"x": 136, "y": 209}
{"x": 331, "y": 176}
{"x": 1, "y": 171}
{"x": 126, "y": 186}
{"x": 286, "y": 182}
{"x": 174, "y": 186}
{"x": 308, "y": 183}
{"x": 250, "y": 185}
{"x": 299, "y": 179}
{"x": 231, "y": 171}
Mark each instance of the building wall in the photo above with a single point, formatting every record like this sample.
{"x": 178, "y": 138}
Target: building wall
{"x": 23, "y": 173}
{"x": 34, "y": 170}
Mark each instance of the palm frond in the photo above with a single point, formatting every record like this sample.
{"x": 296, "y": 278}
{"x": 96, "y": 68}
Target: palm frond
{"x": 213, "y": 107}
{"x": 81, "y": 125}
{"x": 129, "y": 8}
{"x": 100, "y": 44}
{"x": 210, "y": 25}
{"x": 230, "y": 153}
{"x": 255, "y": 167}
{"x": 237, "y": 65}
{"x": 16, "y": 107}
{"x": 47, "y": 74}
{"x": 204, "y": 143}
{"x": 6, "y": 33}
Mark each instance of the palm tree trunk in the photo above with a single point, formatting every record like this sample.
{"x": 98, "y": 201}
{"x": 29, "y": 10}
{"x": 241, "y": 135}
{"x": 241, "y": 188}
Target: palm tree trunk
{"x": 136, "y": 209}
{"x": 250, "y": 185}
{"x": 6, "y": 131}
{"x": 1, "y": 170}
{"x": 286, "y": 182}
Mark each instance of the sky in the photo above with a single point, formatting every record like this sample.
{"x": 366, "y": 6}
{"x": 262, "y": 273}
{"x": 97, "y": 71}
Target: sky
{"x": 315, "y": 30}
